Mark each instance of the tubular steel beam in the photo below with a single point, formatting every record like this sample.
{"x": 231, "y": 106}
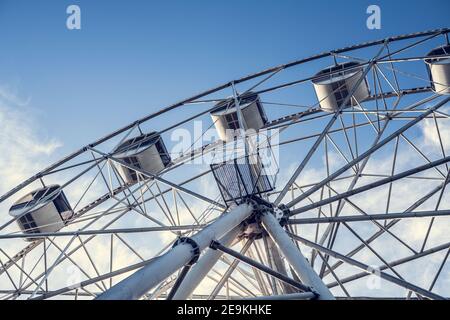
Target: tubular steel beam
{"x": 97, "y": 232}
{"x": 202, "y": 267}
{"x": 296, "y": 259}
{"x": 231, "y": 268}
{"x": 139, "y": 283}
{"x": 49, "y": 294}
{"x": 389, "y": 225}
{"x": 179, "y": 281}
{"x": 368, "y": 269}
{"x": 394, "y": 263}
{"x": 280, "y": 276}
{"x": 367, "y": 153}
{"x": 371, "y": 217}
{"x": 371, "y": 185}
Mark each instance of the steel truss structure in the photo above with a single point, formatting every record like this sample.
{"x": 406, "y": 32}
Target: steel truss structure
{"x": 360, "y": 209}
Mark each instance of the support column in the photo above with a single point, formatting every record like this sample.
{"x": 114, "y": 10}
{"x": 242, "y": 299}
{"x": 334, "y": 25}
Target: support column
{"x": 139, "y": 283}
{"x": 301, "y": 266}
{"x": 278, "y": 264}
{"x": 203, "y": 266}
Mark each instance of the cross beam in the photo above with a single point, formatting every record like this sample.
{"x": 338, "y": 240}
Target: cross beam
{"x": 139, "y": 283}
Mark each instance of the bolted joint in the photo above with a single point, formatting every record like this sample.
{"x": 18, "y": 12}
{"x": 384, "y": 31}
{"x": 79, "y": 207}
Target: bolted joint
{"x": 195, "y": 248}
{"x": 284, "y": 214}
{"x": 257, "y": 202}
{"x": 281, "y": 213}
{"x": 252, "y": 225}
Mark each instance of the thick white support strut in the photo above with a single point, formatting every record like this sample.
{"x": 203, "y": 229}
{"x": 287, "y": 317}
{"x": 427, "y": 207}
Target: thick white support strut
{"x": 140, "y": 282}
{"x": 203, "y": 266}
{"x": 296, "y": 259}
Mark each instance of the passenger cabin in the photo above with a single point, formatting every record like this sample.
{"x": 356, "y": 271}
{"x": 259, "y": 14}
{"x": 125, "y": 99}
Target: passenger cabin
{"x": 439, "y": 69}
{"x": 146, "y": 152}
{"x": 333, "y": 85}
{"x": 42, "y": 211}
{"x": 225, "y": 118}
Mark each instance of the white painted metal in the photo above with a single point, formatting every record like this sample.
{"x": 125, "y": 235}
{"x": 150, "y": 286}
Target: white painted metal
{"x": 226, "y": 119}
{"x": 334, "y": 84}
{"x": 203, "y": 267}
{"x": 147, "y": 152}
{"x": 139, "y": 283}
{"x": 296, "y": 259}
{"x": 42, "y": 210}
{"x": 439, "y": 70}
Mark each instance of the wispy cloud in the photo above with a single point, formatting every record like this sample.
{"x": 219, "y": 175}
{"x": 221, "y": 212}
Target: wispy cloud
{"x": 23, "y": 148}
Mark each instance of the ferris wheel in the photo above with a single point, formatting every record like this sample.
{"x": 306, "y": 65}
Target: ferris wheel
{"x": 323, "y": 178}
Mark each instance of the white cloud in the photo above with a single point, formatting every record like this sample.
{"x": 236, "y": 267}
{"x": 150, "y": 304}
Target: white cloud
{"x": 24, "y": 150}
{"x": 430, "y": 133}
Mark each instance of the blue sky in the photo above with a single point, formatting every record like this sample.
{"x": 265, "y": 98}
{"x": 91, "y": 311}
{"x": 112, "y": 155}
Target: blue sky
{"x": 133, "y": 57}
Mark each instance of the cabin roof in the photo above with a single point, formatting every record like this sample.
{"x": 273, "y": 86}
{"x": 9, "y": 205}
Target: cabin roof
{"x": 336, "y": 73}
{"x": 439, "y": 51}
{"x": 137, "y": 144}
{"x": 36, "y": 199}
{"x": 228, "y": 105}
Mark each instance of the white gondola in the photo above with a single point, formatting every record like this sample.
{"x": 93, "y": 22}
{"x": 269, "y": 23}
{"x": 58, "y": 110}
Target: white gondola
{"x": 225, "y": 118}
{"x": 146, "y": 152}
{"x": 333, "y": 84}
{"x": 41, "y": 211}
{"x": 439, "y": 69}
